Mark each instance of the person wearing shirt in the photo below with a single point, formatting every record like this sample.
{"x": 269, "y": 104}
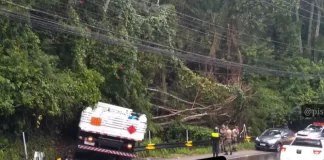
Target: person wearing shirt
{"x": 215, "y": 137}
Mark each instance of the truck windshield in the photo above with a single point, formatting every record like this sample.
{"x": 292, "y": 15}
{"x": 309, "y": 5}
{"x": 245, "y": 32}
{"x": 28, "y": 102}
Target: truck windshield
{"x": 307, "y": 142}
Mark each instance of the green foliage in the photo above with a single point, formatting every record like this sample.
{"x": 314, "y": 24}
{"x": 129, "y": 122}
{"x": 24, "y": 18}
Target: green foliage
{"x": 50, "y": 77}
{"x": 177, "y": 133}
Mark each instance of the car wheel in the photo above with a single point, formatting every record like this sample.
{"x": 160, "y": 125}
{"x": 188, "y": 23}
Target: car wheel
{"x": 278, "y": 148}
{"x": 257, "y": 148}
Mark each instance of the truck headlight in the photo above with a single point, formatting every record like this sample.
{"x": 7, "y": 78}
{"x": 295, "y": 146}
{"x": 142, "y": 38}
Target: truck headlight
{"x": 129, "y": 146}
{"x": 90, "y": 139}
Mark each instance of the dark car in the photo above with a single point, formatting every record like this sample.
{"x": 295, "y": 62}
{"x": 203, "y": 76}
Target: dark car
{"x": 274, "y": 138}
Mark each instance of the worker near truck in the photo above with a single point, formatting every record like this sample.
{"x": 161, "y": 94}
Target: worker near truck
{"x": 228, "y": 141}
{"x": 222, "y": 138}
{"x": 215, "y": 141}
{"x": 235, "y": 137}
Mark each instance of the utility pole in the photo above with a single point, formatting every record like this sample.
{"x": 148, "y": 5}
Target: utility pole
{"x": 106, "y": 5}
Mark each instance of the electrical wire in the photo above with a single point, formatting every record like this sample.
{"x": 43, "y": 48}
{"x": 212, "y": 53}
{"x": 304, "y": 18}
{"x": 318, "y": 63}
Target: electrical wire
{"x": 272, "y": 64}
{"x": 243, "y": 33}
{"x": 320, "y": 8}
{"x": 53, "y": 26}
{"x": 302, "y": 9}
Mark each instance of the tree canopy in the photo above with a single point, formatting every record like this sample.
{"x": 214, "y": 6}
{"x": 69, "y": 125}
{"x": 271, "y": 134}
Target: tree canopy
{"x": 196, "y": 62}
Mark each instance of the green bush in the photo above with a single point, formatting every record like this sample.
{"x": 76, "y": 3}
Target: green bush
{"x": 177, "y": 133}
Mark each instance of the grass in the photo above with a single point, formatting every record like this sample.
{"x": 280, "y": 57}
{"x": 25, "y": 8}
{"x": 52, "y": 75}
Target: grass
{"x": 52, "y": 147}
{"x": 167, "y": 153}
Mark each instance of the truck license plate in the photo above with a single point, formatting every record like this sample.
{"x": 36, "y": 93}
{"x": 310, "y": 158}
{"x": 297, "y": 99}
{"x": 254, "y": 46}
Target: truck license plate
{"x": 262, "y": 144}
{"x": 89, "y": 143}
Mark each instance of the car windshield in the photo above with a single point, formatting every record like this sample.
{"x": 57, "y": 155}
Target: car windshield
{"x": 313, "y": 128}
{"x": 307, "y": 142}
{"x": 271, "y": 132}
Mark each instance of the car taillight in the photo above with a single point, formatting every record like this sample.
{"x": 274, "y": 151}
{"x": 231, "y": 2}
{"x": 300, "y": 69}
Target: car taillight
{"x": 317, "y": 151}
{"x": 90, "y": 139}
{"x": 129, "y": 146}
{"x": 283, "y": 149}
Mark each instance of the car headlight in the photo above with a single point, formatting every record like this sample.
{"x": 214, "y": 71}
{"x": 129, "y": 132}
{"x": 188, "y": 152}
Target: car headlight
{"x": 272, "y": 141}
{"x": 257, "y": 139}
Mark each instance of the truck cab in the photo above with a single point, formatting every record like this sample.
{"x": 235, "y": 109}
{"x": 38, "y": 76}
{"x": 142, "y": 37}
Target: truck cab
{"x": 111, "y": 130}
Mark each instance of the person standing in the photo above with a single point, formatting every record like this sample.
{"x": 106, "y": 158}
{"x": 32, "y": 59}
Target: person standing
{"x": 228, "y": 141}
{"x": 215, "y": 141}
{"x": 222, "y": 138}
{"x": 236, "y": 133}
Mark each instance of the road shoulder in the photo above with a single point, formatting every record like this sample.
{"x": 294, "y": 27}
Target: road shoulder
{"x": 238, "y": 154}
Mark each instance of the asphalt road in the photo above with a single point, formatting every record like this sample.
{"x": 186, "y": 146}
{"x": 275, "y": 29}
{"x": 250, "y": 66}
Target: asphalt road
{"x": 241, "y": 155}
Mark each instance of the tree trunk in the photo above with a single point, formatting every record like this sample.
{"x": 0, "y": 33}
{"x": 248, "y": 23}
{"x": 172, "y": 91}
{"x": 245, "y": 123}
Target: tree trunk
{"x": 214, "y": 46}
{"x": 235, "y": 55}
{"x": 164, "y": 86}
{"x": 297, "y": 20}
{"x": 310, "y": 25}
{"x": 106, "y": 5}
{"x": 317, "y": 29}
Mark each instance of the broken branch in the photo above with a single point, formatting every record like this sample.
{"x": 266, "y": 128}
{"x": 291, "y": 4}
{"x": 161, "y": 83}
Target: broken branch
{"x": 175, "y": 97}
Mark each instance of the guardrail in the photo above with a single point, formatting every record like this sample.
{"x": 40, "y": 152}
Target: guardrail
{"x": 188, "y": 144}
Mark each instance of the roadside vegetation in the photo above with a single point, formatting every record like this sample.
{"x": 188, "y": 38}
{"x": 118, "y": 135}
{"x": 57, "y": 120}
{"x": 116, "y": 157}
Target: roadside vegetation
{"x": 251, "y": 62}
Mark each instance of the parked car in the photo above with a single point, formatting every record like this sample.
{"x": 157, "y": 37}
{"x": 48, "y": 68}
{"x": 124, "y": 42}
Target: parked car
{"x": 303, "y": 148}
{"x": 315, "y": 130}
{"x": 274, "y": 138}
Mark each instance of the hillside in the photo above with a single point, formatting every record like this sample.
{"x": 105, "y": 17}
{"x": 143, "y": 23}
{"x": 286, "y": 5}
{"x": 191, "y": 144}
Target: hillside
{"x": 191, "y": 62}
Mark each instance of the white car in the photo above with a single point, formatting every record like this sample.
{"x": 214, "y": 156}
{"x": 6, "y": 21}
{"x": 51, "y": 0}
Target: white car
{"x": 314, "y": 130}
{"x": 302, "y": 149}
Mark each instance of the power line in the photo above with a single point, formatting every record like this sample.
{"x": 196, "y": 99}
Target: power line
{"x": 200, "y": 44}
{"x": 320, "y": 8}
{"x": 188, "y": 56}
{"x": 302, "y": 9}
{"x": 278, "y": 66}
{"x": 84, "y": 24}
{"x": 243, "y": 33}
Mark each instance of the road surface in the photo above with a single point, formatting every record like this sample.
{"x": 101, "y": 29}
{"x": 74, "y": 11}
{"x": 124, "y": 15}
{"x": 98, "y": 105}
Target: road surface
{"x": 241, "y": 155}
